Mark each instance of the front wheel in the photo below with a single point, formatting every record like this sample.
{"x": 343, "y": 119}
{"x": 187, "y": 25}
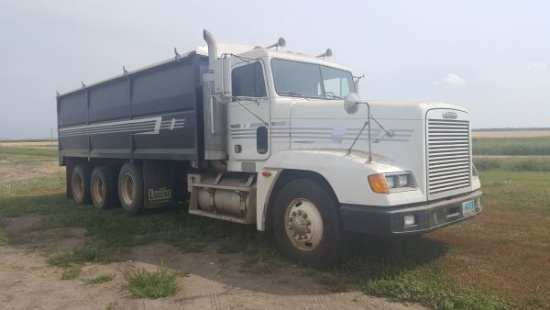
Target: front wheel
{"x": 306, "y": 224}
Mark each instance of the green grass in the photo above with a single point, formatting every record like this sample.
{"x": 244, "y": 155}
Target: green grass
{"x": 524, "y": 146}
{"x": 262, "y": 258}
{"x": 18, "y": 155}
{"x": 112, "y": 306}
{"x": 371, "y": 269}
{"x": 493, "y": 262}
{"x": 89, "y": 254}
{"x": 403, "y": 269}
{"x": 71, "y": 272}
{"x": 99, "y": 279}
{"x": 516, "y": 163}
{"x": 71, "y": 261}
{"x": 3, "y": 238}
{"x": 507, "y": 247}
{"x": 142, "y": 283}
{"x": 113, "y": 228}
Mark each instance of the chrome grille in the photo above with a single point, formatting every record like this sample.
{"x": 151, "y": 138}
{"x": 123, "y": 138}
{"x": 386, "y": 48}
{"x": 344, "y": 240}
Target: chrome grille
{"x": 448, "y": 155}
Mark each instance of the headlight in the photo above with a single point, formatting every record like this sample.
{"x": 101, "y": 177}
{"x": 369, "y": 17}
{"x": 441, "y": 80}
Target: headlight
{"x": 382, "y": 183}
{"x": 403, "y": 180}
{"x": 398, "y": 180}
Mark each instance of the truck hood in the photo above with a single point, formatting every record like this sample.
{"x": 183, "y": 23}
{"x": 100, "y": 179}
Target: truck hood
{"x": 398, "y": 136}
{"x": 380, "y": 109}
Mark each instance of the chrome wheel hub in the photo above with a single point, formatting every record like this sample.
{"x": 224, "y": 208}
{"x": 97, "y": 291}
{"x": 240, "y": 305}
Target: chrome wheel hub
{"x": 304, "y": 224}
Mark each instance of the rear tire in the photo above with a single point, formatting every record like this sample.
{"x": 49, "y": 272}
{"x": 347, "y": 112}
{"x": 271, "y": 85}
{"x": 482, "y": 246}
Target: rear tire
{"x": 130, "y": 188}
{"x": 103, "y": 187}
{"x": 80, "y": 183}
{"x": 306, "y": 224}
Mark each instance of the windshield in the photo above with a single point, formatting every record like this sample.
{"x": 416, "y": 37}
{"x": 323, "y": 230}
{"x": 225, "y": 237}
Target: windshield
{"x": 302, "y": 79}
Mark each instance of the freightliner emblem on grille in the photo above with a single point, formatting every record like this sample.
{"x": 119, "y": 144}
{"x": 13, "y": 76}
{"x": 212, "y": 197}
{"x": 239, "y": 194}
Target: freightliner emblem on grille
{"x": 450, "y": 115}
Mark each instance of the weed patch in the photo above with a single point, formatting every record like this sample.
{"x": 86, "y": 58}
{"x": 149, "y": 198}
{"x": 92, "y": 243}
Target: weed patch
{"x": 162, "y": 282}
{"x": 100, "y": 279}
{"x": 89, "y": 254}
{"x": 71, "y": 272}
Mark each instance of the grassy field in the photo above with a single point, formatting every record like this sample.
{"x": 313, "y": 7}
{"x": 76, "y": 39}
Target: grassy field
{"x": 518, "y": 146}
{"x": 499, "y": 260}
{"x": 16, "y": 152}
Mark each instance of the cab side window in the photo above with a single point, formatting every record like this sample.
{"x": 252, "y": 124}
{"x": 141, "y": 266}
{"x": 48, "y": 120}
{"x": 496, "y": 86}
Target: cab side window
{"x": 248, "y": 81}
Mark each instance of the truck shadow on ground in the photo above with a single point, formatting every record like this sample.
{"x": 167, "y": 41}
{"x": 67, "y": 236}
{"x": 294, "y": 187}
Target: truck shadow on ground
{"x": 234, "y": 256}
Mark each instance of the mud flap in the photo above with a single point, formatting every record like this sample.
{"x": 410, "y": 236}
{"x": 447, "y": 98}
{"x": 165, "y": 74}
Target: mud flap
{"x": 159, "y": 179}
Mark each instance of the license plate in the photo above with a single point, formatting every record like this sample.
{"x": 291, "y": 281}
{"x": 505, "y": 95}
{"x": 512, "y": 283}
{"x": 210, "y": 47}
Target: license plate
{"x": 468, "y": 208}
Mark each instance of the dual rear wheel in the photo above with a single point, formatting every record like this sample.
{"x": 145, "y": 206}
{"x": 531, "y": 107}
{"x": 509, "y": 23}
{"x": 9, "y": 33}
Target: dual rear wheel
{"x": 130, "y": 188}
{"x": 80, "y": 184}
{"x": 105, "y": 189}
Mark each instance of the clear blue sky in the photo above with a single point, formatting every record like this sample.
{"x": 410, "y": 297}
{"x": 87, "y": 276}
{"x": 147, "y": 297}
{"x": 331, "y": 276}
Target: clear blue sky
{"x": 492, "y": 57}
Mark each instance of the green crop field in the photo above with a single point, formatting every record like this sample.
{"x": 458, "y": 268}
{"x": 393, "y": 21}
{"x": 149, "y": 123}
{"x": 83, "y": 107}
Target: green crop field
{"x": 515, "y": 146}
{"x": 499, "y": 260}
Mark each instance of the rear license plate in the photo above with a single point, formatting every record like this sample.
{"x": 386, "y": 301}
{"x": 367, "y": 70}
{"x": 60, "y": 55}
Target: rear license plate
{"x": 468, "y": 208}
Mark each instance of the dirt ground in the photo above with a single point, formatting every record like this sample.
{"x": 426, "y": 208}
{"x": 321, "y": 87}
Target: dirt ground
{"x": 214, "y": 281}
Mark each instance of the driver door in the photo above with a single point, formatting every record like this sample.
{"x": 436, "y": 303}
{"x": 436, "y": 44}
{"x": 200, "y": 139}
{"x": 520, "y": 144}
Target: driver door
{"x": 249, "y": 113}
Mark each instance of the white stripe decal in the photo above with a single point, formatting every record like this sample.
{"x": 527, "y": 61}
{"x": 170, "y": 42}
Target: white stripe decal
{"x": 142, "y": 126}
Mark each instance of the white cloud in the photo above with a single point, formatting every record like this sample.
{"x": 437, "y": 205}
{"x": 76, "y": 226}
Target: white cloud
{"x": 452, "y": 80}
{"x": 537, "y": 66}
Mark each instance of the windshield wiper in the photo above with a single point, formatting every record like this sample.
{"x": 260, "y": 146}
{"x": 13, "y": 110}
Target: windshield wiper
{"x": 330, "y": 95}
{"x": 294, "y": 94}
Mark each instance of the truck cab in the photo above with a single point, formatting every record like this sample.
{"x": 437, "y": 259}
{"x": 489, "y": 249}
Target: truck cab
{"x": 380, "y": 167}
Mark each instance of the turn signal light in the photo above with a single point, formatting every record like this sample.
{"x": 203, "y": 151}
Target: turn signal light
{"x": 378, "y": 184}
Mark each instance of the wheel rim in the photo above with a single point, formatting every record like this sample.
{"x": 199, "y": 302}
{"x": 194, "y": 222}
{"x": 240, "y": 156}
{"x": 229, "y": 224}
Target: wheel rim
{"x": 303, "y": 224}
{"x": 78, "y": 186}
{"x": 98, "y": 190}
{"x": 128, "y": 189}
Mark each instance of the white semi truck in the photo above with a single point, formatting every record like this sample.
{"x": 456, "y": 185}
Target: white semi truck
{"x": 268, "y": 137}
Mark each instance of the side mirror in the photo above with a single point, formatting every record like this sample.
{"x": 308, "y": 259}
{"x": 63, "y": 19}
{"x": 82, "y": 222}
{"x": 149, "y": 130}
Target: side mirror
{"x": 356, "y": 82}
{"x": 351, "y": 104}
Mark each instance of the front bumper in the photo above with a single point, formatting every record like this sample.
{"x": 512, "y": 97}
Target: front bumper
{"x": 427, "y": 216}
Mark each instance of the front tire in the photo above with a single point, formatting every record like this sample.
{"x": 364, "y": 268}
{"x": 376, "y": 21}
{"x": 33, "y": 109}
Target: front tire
{"x": 130, "y": 188}
{"x": 103, "y": 187}
{"x": 306, "y": 224}
{"x": 80, "y": 183}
